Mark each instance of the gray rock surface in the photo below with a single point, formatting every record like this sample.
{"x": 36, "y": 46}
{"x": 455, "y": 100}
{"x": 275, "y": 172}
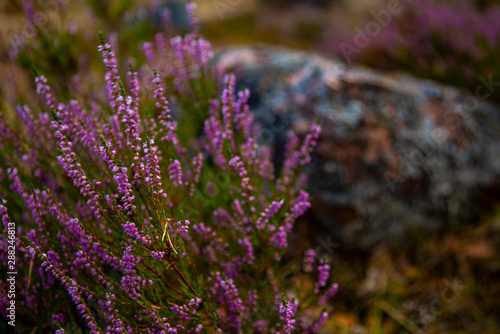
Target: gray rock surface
{"x": 395, "y": 153}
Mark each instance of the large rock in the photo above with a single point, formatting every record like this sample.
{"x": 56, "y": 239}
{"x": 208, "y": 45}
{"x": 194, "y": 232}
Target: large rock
{"x": 395, "y": 152}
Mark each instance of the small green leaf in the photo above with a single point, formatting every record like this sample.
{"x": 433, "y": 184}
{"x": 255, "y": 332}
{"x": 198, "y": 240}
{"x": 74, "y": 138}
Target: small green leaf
{"x": 101, "y": 37}
{"x": 54, "y": 115}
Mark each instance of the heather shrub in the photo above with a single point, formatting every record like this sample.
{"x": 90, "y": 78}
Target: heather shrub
{"x": 145, "y": 204}
{"x": 449, "y": 41}
{"x": 54, "y": 36}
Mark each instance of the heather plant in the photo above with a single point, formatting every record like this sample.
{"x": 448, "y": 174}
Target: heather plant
{"x": 52, "y": 36}
{"x": 449, "y": 41}
{"x": 146, "y": 205}
{"x": 42, "y": 39}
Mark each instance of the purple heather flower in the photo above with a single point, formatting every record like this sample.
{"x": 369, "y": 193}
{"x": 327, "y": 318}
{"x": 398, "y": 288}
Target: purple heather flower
{"x": 33, "y": 126}
{"x": 215, "y": 140}
{"x": 297, "y": 208}
{"x": 324, "y": 273}
{"x": 252, "y": 302}
{"x": 121, "y": 178}
{"x": 328, "y": 295}
{"x": 161, "y": 42}
{"x": 261, "y": 326}
{"x": 183, "y": 226}
{"x": 175, "y": 172}
{"x": 162, "y": 102}
{"x": 206, "y": 52}
{"x": 152, "y": 169}
{"x": 134, "y": 91}
{"x": 73, "y": 290}
{"x": 31, "y": 251}
{"x": 247, "y": 245}
{"x": 6, "y": 135}
{"x": 31, "y": 15}
{"x": 196, "y": 166}
{"x": 129, "y": 116}
{"x": 112, "y": 78}
{"x": 210, "y": 189}
{"x": 169, "y": 128}
{"x": 44, "y": 89}
{"x": 181, "y": 71}
{"x": 309, "y": 257}
{"x": 239, "y": 166}
{"x": 264, "y": 164}
{"x": 157, "y": 255}
{"x": 182, "y": 311}
{"x": 193, "y": 21}
{"x": 68, "y": 162}
{"x": 148, "y": 52}
{"x": 237, "y": 207}
{"x": 249, "y": 151}
{"x": 279, "y": 238}
{"x": 223, "y": 218}
{"x": 132, "y": 232}
{"x": 288, "y": 309}
{"x": 130, "y": 282}
{"x": 297, "y": 157}
{"x": 242, "y": 116}
{"x": 16, "y": 185}
{"x": 227, "y": 104}
{"x": 83, "y": 260}
{"x": 272, "y": 280}
{"x": 309, "y": 143}
{"x": 291, "y": 160}
{"x": 318, "y": 323}
{"x": 268, "y": 213}
{"x": 228, "y": 295}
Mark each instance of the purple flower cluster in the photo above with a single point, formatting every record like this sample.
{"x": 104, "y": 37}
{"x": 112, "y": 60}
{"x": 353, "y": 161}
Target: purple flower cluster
{"x": 227, "y": 294}
{"x": 263, "y": 220}
{"x": 297, "y": 156}
{"x": 329, "y": 294}
{"x": 247, "y": 245}
{"x": 423, "y": 38}
{"x": 150, "y": 203}
{"x": 175, "y": 172}
{"x": 111, "y": 76}
{"x": 152, "y": 169}
{"x": 317, "y": 324}
{"x": 239, "y": 166}
{"x": 324, "y": 273}
{"x": 43, "y": 89}
{"x": 309, "y": 256}
{"x": 288, "y": 309}
{"x": 68, "y": 161}
{"x": 121, "y": 178}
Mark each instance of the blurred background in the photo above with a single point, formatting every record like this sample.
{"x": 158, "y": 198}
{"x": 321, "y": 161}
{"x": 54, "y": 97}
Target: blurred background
{"x": 422, "y": 280}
